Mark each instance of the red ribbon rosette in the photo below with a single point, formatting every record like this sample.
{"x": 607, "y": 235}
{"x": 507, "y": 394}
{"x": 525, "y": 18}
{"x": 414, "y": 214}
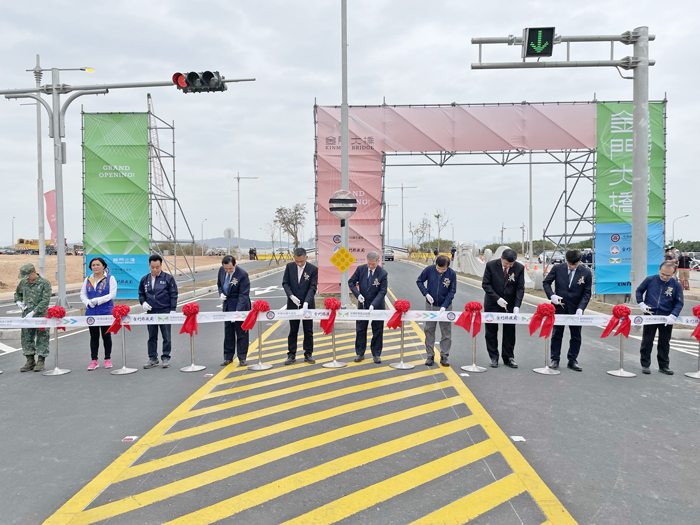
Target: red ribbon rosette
{"x": 252, "y": 317}
{"x": 56, "y": 312}
{"x": 471, "y": 310}
{"x": 118, "y": 312}
{"x": 621, "y": 315}
{"x": 696, "y": 313}
{"x": 190, "y": 325}
{"x": 544, "y": 316}
{"x": 332, "y": 304}
{"x": 401, "y": 308}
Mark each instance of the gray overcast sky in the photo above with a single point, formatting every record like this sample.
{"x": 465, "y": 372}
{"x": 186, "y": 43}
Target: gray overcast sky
{"x": 410, "y": 52}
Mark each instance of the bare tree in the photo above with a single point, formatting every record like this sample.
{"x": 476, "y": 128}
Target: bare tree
{"x": 271, "y": 231}
{"x": 421, "y": 230}
{"x": 291, "y": 220}
{"x": 441, "y": 219}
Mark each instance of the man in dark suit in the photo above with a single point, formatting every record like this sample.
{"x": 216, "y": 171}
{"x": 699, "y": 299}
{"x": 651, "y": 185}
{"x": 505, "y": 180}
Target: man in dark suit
{"x": 234, "y": 292}
{"x": 572, "y": 282}
{"x": 369, "y": 284}
{"x": 300, "y": 282}
{"x": 504, "y": 284}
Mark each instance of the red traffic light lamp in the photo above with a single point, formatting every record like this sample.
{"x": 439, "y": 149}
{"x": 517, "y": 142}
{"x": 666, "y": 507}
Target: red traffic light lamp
{"x": 194, "y": 82}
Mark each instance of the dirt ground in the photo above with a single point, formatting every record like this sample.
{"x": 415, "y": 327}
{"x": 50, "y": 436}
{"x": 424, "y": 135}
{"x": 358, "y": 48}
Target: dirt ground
{"x": 10, "y": 265}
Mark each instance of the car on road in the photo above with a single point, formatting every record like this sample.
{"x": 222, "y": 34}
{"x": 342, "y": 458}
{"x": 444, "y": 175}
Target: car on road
{"x": 388, "y": 254}
{"x": 549, "y": 257}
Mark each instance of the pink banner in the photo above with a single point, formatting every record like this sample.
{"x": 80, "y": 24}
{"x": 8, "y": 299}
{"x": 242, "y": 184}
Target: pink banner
{"x": 50, "y": 198}
{"x": 376, "y": 129}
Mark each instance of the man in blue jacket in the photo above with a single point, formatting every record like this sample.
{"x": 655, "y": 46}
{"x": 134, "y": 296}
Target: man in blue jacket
{"x": 158, "y": 295}
{"x": 659, "y": 295}
{"x": 440, "y": 290}
{"x": 368, "y": 284}
{"x": 234, "y": 291}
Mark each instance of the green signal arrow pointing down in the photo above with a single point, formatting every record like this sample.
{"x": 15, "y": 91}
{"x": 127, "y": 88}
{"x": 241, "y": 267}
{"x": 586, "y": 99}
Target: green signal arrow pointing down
{"x": 540, "y": 46}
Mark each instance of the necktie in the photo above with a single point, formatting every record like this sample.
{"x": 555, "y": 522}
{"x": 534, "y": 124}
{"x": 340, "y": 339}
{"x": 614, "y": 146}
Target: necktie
{"x": 299, "y": 270}
{"x": 571, "y": 277}
{"x": 226, "y": 284}
{"x": 505, "y": 274}
{"x": 369, "y": 278}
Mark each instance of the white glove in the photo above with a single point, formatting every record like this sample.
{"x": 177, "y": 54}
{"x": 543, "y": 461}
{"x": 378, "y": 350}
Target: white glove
{"x": 671, "y": 319}
{"x": 371, "y": 307}
{"x": 360, "y": 298}
{"x": 643, "y": 307}
{"x": 429, "y": 298}
{"x": 21, "y": 305}
{"x": 223, "y": 296}
{"x": 579, "y": 312}
{"x": 92, "y": 303}
{"x": 31, "y": 314}
{"x": 146, "y": 307}
{"x": 556, "y": 299}
{"x": 442, "y": 309}
{"x": 295, "y": 300}
{"x": 516, "y": 310}
{"x": 173, "y": 312}
{"x": 305, "y": 307}
{"x": 502, "y": 302}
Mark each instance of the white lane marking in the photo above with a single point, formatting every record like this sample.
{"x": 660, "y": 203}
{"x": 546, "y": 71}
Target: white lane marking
{"x": 8, "y": 349}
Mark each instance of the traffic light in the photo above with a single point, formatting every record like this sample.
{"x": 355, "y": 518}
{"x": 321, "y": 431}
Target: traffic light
{"x": 538, "y": 42}
{"x": 194, "y": 82}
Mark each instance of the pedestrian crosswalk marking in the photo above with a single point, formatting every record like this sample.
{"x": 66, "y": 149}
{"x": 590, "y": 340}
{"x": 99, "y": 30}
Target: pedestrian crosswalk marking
{"x": 283, "y": 390}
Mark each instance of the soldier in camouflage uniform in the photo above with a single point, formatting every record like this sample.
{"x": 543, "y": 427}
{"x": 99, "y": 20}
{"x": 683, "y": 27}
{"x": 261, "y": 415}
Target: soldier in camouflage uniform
{"x": 32, "y": 297}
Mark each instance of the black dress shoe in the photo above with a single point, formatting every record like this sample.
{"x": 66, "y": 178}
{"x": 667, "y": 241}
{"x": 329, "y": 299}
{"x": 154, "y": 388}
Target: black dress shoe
{"x": 290, "y": 360}
{"x": 358, "y": 358}
{"x": 494, "y": 363}
{"x": 226, "y": 362}
{"x": 554, "y": 365}
{"x": 444, "y": 361}
{"x": 242, "y": 362}
{"x": 309, "y": 359}
{"x": 511, "y": 363}
{"x": 666, "y": 371}
{"x": 645, "y": 370}
{"x": 378, "y": 360}
{"x": 574, "y": 367}
{"x": 429, "y": 362}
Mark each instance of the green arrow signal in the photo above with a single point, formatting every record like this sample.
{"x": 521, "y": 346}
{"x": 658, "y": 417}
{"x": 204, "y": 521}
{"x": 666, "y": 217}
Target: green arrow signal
{"x": 540, "y": 46}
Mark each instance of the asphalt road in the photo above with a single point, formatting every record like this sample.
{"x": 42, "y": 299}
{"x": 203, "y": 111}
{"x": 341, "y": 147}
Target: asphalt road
{"x": 612, "y": 450}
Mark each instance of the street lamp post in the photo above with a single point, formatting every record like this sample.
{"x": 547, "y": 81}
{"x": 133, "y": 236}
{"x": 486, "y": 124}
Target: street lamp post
{"x": 41, "y": 263}
{"x": 402, "y": 187}
{"x": 673, "y": 227}
{"x": 238, "y": 180}
{"x": 12, "y": 244}
{"x": 388, "y": 238}
{"x": 203, "y": 237}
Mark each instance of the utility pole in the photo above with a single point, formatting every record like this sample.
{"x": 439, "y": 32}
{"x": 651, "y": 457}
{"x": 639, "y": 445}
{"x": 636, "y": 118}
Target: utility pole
{"x": 402, "y": 187}
{"x": 41, "y": 262}
{"x": 344, "y": 144}
{"x": 57, "y": 130}
{"x": 238, "y": 179}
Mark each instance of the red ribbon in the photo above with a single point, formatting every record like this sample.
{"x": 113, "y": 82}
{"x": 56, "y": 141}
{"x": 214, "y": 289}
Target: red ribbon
{"x": 471, "y": 310}
{"x": 332, "y": 304}
{"x": 696, "y": 313}
{"x": 118, "y": 312}
{"x": 620, "y": 313}
{"x": 252, "y": 317}
{"x": 544, "y": 316}
{"x": 401, "y": 308}
{"x": 56, "y": 312}
{"x": 190, "y": 325}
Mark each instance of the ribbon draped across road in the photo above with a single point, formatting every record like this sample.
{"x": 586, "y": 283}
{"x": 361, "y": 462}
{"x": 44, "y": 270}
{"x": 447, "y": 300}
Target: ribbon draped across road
{"x": 341, "y": 315}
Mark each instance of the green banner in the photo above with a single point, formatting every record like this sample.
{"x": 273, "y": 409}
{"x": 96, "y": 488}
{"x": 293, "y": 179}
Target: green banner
{"x": 614, "y": 163}
{"x": 116, "y": 183}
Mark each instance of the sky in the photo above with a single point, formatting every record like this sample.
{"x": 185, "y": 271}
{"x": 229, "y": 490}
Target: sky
{"x": 399, "y": 52}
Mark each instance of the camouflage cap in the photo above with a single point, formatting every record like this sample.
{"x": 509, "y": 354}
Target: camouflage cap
{"x": 26, "y": 270}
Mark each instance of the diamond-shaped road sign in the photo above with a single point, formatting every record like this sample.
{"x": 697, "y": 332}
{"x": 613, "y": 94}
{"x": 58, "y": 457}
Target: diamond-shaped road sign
{"x": 342, "y": 259}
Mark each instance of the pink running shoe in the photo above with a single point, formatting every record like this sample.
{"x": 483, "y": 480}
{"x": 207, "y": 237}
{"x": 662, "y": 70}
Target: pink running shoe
{"x": 93, "y": 364}
{"x": 108, "y": 363}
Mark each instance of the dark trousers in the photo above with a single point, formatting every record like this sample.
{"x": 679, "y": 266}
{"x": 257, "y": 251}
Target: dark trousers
{"x": 95, "y": 341}
{"x": 574, "y": 343}
{"x": 377, "y": 338}
{"x": 308, "y": 337}
{"x": 235, "y": 338}
{"x": 508, "y": 344}
{"x": 153, "y": 340}
{"x": 662, "y": 347}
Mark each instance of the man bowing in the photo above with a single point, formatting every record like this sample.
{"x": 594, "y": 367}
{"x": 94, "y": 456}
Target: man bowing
{"x": 234, "y": 291}
{"x": 369, "y": 284}
{"x": 572, "y": 283}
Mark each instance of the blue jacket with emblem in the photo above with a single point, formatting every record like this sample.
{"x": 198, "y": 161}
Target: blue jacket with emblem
{"x": 441, "y": 286}
{"x": 162, "y": 297}
{"x": 663, "y": 298}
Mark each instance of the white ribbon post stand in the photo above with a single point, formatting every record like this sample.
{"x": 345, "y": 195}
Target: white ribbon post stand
{"x": 123, "y": 370}
{"x": 56, "y": 371}
{"x": 260, "y": 365}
